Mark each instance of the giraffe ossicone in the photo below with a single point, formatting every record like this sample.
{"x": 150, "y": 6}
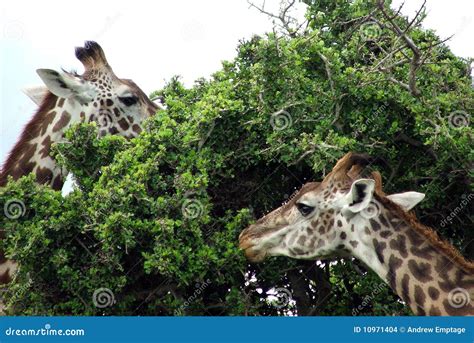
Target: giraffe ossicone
{"x": 348, "y": 214}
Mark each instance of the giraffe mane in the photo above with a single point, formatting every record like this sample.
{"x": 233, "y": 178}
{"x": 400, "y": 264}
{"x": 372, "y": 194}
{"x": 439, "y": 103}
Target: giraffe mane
{"x": 427, "y": 232}
{"x": 29, "y": 130}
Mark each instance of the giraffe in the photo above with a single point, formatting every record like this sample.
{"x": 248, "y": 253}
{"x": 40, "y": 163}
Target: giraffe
{"x": 118, "y": 106}
{"x": 349, "y": 215}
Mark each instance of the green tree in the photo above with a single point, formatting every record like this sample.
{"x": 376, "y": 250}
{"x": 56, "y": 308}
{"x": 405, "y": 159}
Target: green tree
{"x": 152, "y": 227}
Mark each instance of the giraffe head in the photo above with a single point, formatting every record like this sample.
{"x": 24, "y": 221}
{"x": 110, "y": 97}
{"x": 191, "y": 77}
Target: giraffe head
{"x": 118, "y": 105}
{"x": 323, "y": 218}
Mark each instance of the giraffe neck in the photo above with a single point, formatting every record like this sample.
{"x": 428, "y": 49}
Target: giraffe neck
{"x": 32, "y": 151}
{"x": 428, "y": 275}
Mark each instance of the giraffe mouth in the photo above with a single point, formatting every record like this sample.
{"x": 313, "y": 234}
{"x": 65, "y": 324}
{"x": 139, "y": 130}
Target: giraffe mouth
{"x": 251, "y": 250}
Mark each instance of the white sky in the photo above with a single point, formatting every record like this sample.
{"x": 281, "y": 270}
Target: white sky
{"x": 149, "y": 41}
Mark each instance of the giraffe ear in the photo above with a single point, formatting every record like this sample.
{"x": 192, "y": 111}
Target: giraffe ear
{"x": 36, "y": 93}
{"x": 65, "y": 85}
{"x": 407, "y": 200}
{"x": 360, "y": 195}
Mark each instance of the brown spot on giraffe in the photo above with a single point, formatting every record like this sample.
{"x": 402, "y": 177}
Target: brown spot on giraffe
{"x": 405, "y": 295}
{"x": 379, "y": 248}
{"x": 44, "y": 175}
{"x": 136, "y": 128}
{"x": 123, "y": 124}
{"x": 386, "y": 233}
{"x": 433, "y": 293}
{"x": 399, "y": 244}
{"x": 60, "y": 102}
{"x": 44, "y": 124}
{"x": 393, "y": 264}
{"x": 375, "y": 225}
{"x": 420, "y": 298}
{"x": 420, "y": 270}
{"x": 57, "y": 183}
{"x": 45, "y": 150}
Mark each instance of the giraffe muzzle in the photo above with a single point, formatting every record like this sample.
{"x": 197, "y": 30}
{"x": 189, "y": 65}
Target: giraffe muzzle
{"x": 248, "y": 242}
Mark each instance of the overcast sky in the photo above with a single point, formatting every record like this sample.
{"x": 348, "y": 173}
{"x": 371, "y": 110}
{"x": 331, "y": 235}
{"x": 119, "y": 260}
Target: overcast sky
{"x": 150, "y": 41}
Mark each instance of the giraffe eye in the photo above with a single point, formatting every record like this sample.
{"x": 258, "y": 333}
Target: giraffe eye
{"x": 304, "y": 209}
{"x": 128, "y": 100}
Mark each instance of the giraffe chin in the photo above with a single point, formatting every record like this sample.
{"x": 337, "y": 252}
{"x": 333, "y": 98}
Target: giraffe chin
{"x": 255, "y": 256}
